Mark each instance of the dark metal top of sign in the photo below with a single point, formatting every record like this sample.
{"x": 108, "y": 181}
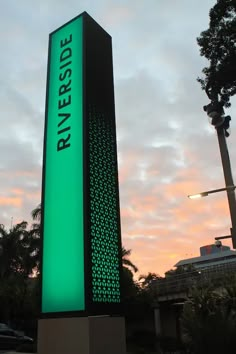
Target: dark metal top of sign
{"x": 83, "y": 14}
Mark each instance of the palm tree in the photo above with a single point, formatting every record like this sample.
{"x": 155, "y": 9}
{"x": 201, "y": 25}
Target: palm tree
{"x": 129, "y": 285}
{"x": 37, "y": 216}
{"x": 36, "y": 229}
{"x": 127, "y": 262}
{"x": 149, "y": 280}
{"x": 36, "y": 213}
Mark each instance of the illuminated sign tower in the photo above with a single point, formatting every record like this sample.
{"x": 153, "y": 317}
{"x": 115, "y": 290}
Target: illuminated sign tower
{"x": 81, "y": 260}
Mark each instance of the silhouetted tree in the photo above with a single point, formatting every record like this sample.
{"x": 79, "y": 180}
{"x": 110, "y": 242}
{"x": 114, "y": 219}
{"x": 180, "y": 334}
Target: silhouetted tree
{"x": 37, "y": 216}
{"x": 36, "y": 213}
{"x": 149, "y": 281}
{"x": 148, "y": 288}
{"x": 218, "y": 45}
{"x": 18, "y": 261}
{"x": 126, "y": 262}
{"x": 189, "y": 268}
{"x": 209, "y": 319}
{"x": 18, "y": 250}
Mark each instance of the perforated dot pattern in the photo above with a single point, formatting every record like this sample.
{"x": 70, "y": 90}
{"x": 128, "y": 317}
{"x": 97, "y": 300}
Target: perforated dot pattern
{"x": 103, "y": 210}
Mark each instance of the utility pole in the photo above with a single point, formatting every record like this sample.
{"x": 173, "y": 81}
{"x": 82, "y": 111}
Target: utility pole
{"x": 215, "y": 112}
{"x": 228, "y": 180}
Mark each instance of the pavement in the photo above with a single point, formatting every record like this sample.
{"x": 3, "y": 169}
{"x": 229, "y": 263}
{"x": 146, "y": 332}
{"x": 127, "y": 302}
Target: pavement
{"x": 7, "y": 352}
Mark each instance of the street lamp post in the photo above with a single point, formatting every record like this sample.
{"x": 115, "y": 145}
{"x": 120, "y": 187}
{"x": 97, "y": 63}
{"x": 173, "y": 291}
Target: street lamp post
{"x": 206, "y": 193}
{"x": 228, "y": 180}
{"x": 221, "y": 123}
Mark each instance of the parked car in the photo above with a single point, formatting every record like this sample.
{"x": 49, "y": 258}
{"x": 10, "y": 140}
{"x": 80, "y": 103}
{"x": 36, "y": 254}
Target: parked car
{"x": 11, "y": 339}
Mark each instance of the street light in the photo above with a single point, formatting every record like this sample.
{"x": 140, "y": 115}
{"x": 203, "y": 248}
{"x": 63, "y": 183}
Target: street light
{"x": 205, "y": 194}
{"x": 215, "y": 112}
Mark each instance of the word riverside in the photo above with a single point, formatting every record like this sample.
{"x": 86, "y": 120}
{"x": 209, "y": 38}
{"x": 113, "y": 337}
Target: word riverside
{"x": 64, "y": 93}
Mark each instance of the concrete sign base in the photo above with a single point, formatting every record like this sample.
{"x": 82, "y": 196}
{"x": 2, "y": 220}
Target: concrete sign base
{"x": 82, "y": 335}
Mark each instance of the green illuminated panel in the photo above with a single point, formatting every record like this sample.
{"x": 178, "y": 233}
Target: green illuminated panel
{"x": 63, "y": 241}
{"x": 104, "y": 213}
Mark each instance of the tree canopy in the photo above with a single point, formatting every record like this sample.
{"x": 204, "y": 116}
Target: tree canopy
{"x": 209, "y": 318}
{"x": 19, "y": 260}
{"x": 218, "y": 45}
{"x": 126, "y": 262}
{"x": 19, "y": 248}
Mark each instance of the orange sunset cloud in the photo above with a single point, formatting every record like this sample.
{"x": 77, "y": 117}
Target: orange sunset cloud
{"x": 11, "y": 201}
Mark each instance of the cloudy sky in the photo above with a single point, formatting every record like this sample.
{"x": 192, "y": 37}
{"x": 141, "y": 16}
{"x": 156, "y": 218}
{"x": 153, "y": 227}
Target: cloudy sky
{"x": 166, "y": 147}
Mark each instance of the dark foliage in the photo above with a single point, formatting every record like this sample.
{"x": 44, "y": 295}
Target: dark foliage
{"x": 218, "y": 45}
{"x": 209, "y": 319}
{"x": 19, "y": 259}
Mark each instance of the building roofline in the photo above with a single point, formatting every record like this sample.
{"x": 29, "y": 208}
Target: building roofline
{"x": 210, "y": 257}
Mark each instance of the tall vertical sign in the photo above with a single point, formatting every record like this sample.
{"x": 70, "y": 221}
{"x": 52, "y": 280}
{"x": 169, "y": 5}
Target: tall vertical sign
{"x": 81, "y": 258}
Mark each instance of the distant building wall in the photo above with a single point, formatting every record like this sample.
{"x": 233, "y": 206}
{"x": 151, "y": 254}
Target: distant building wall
{"x": 210, "y": 249}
